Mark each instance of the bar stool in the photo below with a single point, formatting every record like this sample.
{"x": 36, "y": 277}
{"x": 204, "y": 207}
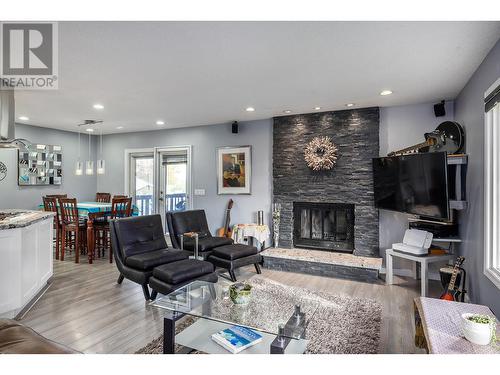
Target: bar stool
{"x": 120, "y": 207}
{"x": 99, "y": 234}
{"x": 50, "y": 204}
{"x": 72, "y": 225}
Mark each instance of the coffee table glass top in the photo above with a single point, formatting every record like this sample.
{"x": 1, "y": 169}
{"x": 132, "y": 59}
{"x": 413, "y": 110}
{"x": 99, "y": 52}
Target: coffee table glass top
{"x": 265, "y": 311}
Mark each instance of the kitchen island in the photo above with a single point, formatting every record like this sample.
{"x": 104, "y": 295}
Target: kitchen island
{"x": 26, "y": 253}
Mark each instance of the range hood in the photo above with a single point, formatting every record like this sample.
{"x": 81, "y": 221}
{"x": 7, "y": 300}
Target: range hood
{"x": 7, "y": 121}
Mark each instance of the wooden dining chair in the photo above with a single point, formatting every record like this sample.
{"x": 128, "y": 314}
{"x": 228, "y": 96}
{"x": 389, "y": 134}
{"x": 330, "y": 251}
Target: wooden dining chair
{"x": 99, "y": 223}
{"x": 120, "y": 196}
{"x": 120, "y": 207}
{"x": 72, "y": 225}
{"x": 50, "y": 204}
{"x": 103, "y": 197}
{"x": 57, "y": 196}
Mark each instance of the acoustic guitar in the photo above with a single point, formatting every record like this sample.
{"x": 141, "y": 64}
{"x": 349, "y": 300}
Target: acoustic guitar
{"x": 448, "y": 136}
{"x": 226, "y": 230}
{"x": 450, "y": 293}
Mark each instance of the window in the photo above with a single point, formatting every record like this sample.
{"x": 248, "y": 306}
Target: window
{"x": 139, "y": 178}
{"x": 492, "y": 184}
{"x": 175, "y": 179}
{"x": 143, "y": 183}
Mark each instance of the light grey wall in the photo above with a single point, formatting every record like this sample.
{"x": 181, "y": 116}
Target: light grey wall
{"x": 470, "y": 113}
{"x": 29, "y": 197}
{"x": 400, "y": 127}
{"x": 204, "y": 141}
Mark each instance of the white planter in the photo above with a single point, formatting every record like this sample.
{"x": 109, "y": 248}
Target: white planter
{"x": 477, "y": 333}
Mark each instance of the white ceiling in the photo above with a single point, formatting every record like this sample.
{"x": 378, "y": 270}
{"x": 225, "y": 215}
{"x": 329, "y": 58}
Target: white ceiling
{"x": 200, "y": 73}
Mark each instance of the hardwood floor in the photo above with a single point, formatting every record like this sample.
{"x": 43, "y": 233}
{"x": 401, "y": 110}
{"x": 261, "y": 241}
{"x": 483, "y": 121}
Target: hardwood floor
{"x": 85, "y": 309}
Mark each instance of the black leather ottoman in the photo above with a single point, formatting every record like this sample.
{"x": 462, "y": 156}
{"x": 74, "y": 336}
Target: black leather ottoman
{"x": 235, "y": 256}
{"x": 171, "y": 276}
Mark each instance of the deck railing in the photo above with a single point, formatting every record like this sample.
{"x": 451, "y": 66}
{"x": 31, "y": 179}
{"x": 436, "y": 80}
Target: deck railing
{"x": 144, "y": 203}
{"x": 174, "y": 202}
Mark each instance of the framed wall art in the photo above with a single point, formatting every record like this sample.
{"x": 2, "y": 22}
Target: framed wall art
{"x": 234, "y": 170}
{"x": 40, "y": 165}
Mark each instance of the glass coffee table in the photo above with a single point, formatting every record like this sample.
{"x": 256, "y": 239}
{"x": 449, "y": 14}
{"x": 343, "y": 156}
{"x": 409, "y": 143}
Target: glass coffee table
{"x": 281, "y": 321}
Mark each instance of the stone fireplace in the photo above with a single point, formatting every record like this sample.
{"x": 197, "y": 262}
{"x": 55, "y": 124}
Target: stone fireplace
{"x": 323, "y": 226}
{"x": 341, "y": 216}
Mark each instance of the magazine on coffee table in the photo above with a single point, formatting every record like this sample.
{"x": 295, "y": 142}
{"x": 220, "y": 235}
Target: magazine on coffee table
{"x": 236, "y": 338}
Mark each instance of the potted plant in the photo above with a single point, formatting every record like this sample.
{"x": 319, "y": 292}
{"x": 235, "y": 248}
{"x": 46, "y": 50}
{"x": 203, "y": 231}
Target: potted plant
{"x": 479, "y": 329}
{"x": 240, "y": 293}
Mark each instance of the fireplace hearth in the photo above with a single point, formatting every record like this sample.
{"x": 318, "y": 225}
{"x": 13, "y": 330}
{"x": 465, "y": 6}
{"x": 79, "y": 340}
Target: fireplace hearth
{"x": 323, "y": 226}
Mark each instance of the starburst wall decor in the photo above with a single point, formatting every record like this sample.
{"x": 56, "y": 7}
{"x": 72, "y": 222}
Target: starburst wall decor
{"x": 321, "y": 154}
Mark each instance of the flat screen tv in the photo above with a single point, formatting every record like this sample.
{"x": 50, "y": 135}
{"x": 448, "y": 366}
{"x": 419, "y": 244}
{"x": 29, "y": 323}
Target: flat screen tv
{"x": 414, "y": 184}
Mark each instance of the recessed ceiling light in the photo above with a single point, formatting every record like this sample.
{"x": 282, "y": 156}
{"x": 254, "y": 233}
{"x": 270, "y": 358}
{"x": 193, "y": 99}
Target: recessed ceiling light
{"x": 24, "y": 118}
{"x": 250, "y": 109}
{"x": 160, "y": 122}
{"x": 349, "y": 105}
{"x": 90, "y": 130}
{"x": 317, "y": 108}
{"x": 119, "y": 127}
{"x": 385, "y": 92}
{"x": 98, "y": 106}
{"x": 287, "y": 111}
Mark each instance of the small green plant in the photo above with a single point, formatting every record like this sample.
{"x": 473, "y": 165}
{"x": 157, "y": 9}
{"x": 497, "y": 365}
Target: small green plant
{"x": 485, "y": 319}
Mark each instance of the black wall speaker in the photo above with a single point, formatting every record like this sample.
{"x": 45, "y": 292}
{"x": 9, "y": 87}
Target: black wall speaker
{"x": 439, "y": 110}
{"x": 234, "y": 127}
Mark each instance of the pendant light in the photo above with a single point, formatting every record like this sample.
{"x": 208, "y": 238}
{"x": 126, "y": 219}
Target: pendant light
{"x": 89, "y": 165}
{"x": 79, "y": 164}
{"x": 90, "y": 126}
{"x": 101, "y": 166}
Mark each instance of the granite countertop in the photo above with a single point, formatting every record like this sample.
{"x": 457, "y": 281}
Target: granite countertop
{"x": 16, "y": 218}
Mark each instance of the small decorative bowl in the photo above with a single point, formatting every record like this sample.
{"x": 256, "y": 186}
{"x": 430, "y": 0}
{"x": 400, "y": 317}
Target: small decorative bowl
{"x": 477, "y": 333}
{"x": 240, "y": 293}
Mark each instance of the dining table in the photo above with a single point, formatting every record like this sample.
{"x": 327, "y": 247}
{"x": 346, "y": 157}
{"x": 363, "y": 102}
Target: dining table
{"x": 90, "y": 211}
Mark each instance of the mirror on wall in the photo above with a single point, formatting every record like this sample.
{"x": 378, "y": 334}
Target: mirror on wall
{"x": 40, "y": 165}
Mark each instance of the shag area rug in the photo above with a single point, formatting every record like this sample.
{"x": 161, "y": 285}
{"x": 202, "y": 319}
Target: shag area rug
{"x": 340, "y": 325}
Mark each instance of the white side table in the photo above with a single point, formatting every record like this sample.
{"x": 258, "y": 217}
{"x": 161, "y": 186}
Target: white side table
{"x": 258, "y": 233}
{"x": 424, "y": 262}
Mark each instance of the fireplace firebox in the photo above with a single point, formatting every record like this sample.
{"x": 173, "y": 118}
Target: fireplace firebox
{"x": 323, "y": 226}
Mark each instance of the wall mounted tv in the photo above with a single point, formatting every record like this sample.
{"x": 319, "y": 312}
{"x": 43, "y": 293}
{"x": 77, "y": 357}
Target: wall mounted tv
{"x": 414, "y": 184}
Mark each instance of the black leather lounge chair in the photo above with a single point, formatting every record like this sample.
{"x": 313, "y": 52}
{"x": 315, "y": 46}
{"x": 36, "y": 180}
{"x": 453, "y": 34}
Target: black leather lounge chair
{"x": 193, "y": 221}
{"x": 141, "y": 254}
{"x": 219, "y": 251}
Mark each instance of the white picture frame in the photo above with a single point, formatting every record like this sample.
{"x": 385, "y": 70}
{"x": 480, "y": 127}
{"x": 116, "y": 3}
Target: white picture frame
{"x": 234, "y": 170}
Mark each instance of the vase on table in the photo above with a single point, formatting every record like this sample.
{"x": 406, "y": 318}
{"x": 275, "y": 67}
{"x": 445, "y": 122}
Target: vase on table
{"x": 276, "y": 223}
